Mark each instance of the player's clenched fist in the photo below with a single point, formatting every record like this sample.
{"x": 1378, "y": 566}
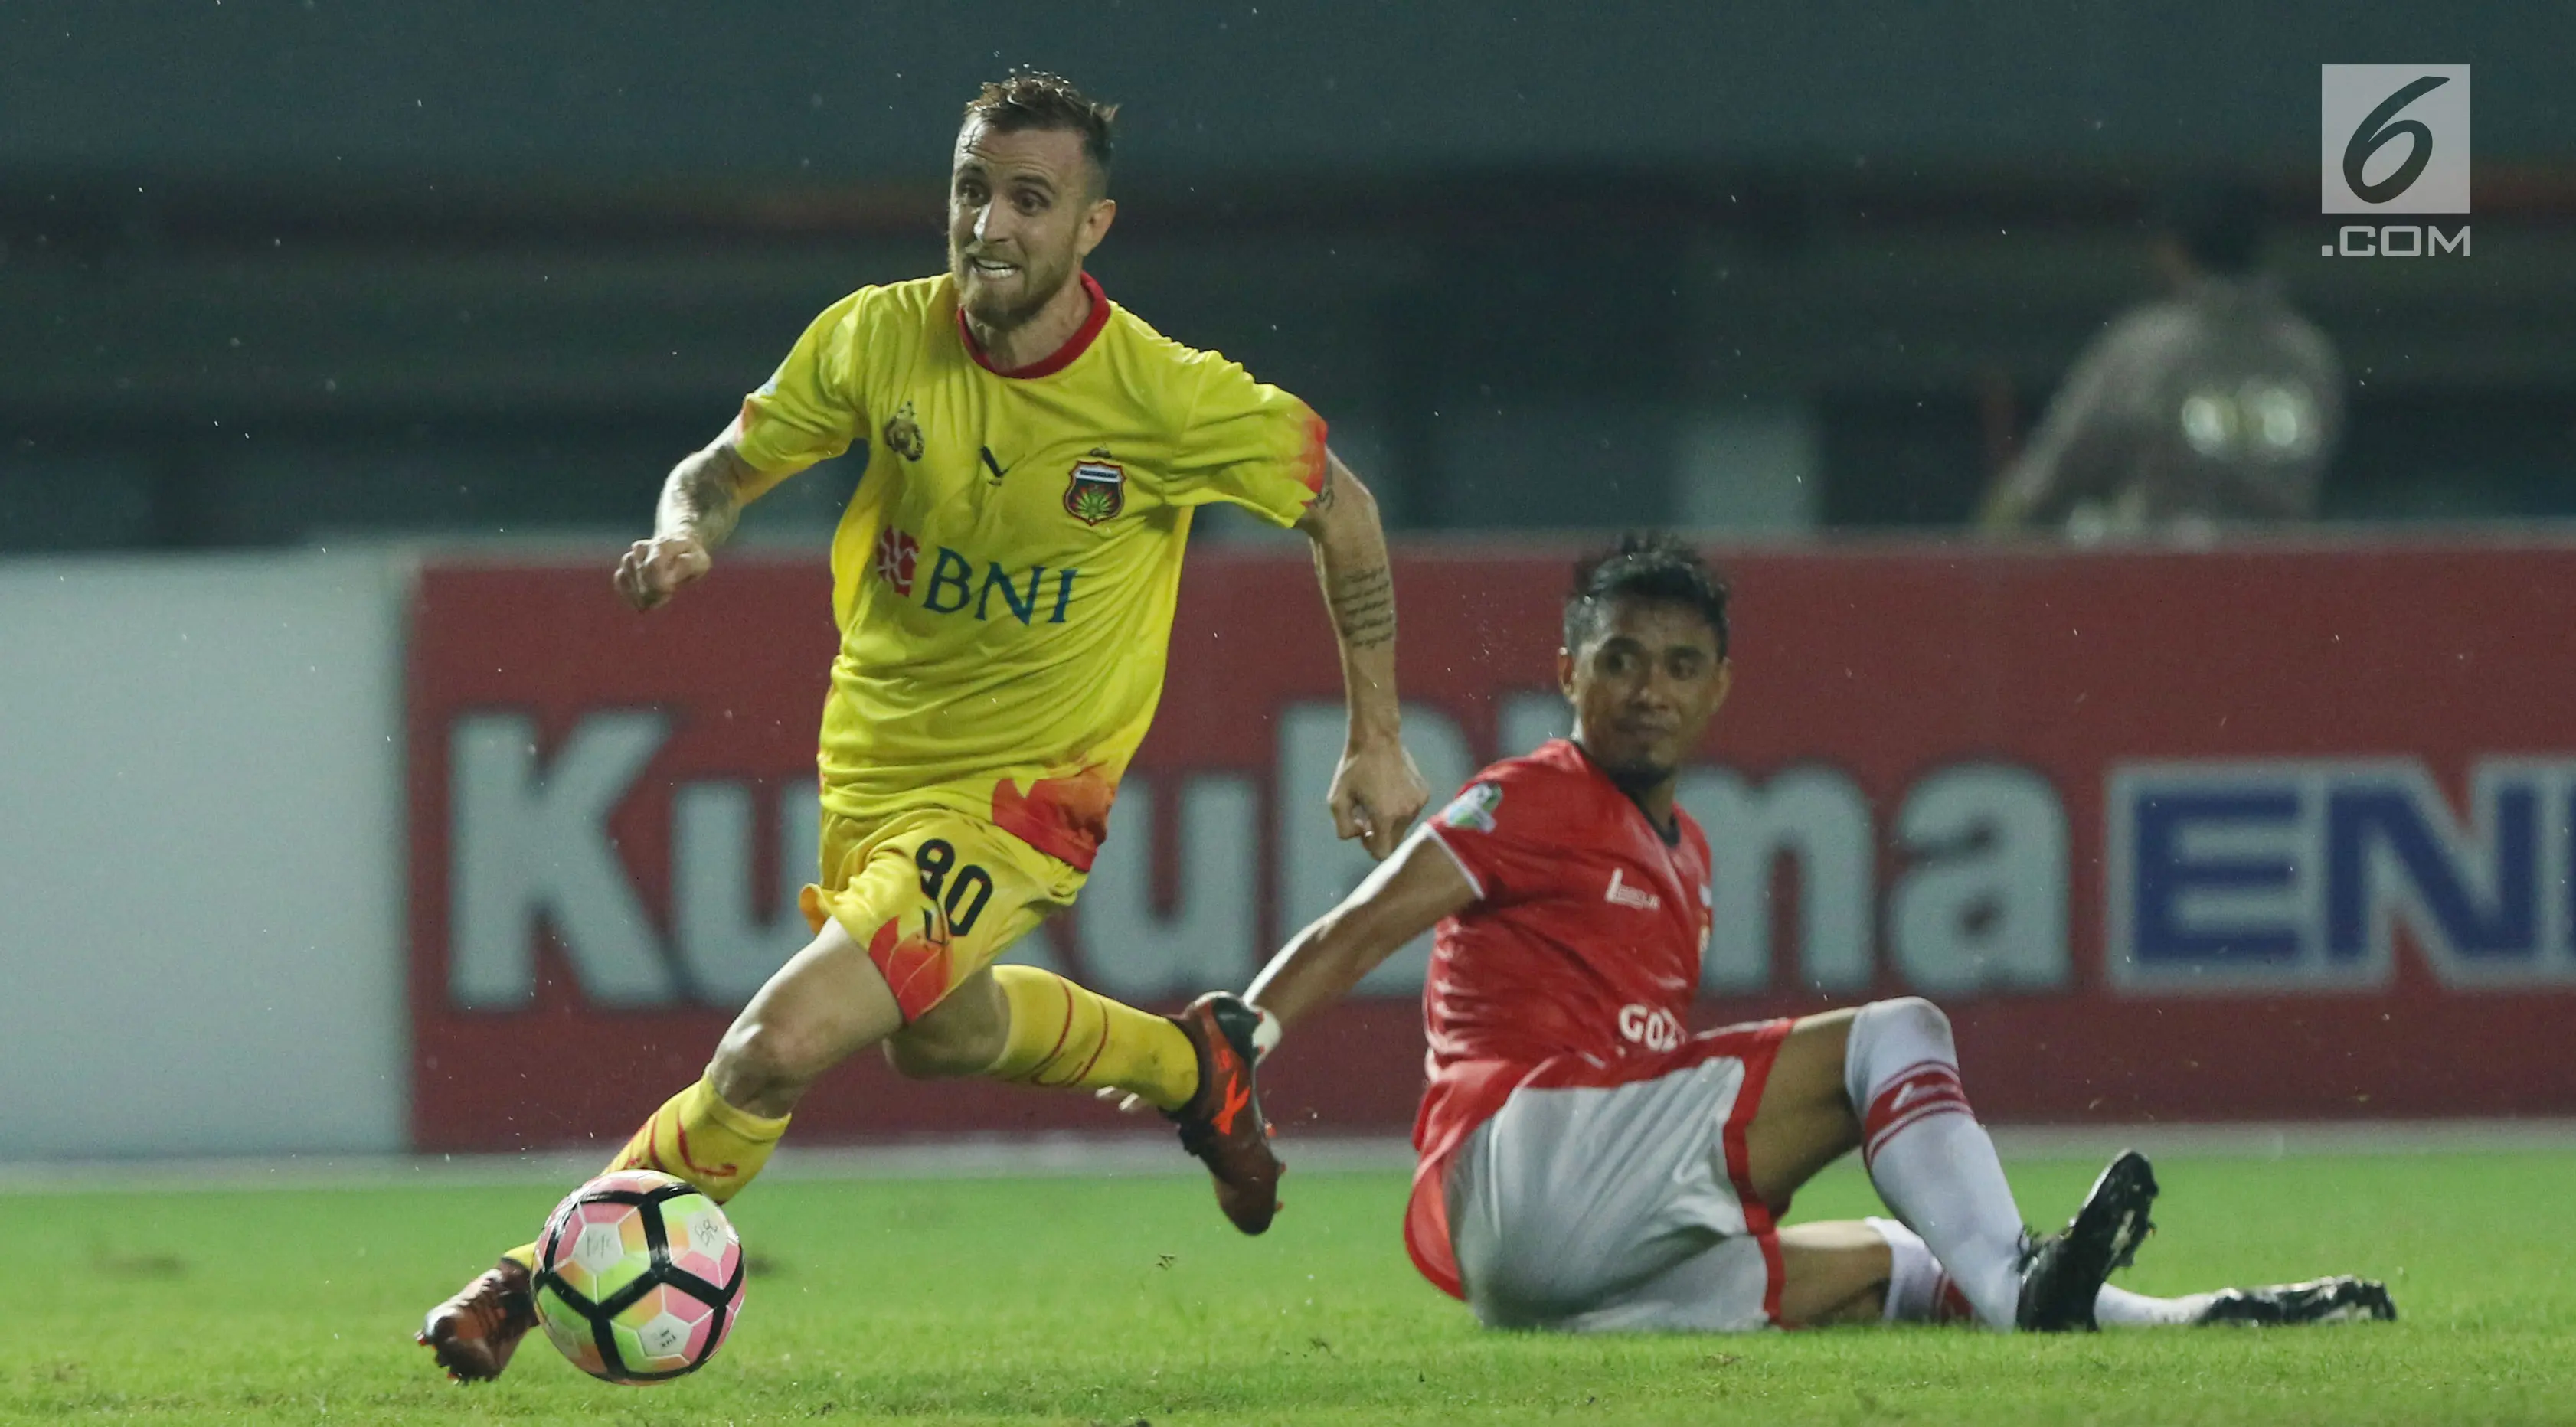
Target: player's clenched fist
{"x": 652, "y": 569}
{"x": 1376, "y": 795}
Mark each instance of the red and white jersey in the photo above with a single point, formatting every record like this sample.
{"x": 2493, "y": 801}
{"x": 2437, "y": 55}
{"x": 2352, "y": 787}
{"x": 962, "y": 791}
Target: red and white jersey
{"x": 1577, "y": 963}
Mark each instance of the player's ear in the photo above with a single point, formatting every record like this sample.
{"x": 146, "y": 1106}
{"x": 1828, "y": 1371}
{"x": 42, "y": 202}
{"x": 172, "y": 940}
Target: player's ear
{"x": 1565, "y": 673}
{"x": 1725, "y": 681}
{"x": 1095, "y": 226}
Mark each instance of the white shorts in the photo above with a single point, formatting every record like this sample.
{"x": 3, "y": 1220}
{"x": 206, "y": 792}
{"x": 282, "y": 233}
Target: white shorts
{"x": 1623, "y": 1206}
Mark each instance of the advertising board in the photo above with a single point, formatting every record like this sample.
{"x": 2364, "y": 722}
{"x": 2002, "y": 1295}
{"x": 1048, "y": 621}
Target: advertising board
{"x": 2257, "y": 834}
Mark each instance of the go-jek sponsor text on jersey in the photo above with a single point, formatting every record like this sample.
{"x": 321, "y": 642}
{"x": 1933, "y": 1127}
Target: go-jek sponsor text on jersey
{"x": 1004, "y": 576}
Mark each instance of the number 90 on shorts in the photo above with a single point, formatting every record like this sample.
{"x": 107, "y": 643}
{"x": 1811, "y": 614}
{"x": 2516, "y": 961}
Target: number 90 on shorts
{"x": 934, "y": 896}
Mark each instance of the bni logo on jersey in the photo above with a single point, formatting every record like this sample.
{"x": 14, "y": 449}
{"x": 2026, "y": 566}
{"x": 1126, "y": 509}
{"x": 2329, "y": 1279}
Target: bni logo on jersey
{"x": 2395, "y": 141}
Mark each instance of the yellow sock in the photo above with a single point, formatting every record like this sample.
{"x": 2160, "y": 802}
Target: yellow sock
{"x": 703, "y": 1140}
{"x": 698, "y": 1137}
{"x": 1063, "y": 1035}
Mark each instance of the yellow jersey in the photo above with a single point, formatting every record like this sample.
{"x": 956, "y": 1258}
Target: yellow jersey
{"x": 1004, "y": 577}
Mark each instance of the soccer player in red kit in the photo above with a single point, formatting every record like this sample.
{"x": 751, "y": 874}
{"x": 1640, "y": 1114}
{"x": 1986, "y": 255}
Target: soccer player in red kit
{"x": 1589, "y": 1164}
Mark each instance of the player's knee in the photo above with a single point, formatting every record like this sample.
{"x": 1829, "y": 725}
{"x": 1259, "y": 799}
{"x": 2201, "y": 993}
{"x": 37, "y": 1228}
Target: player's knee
{"x": 1889, "y": 1038}
{"x": 962, "y": 1035}
{"x": 762, "y": 1056}
{"x": 1914, "y": 1021}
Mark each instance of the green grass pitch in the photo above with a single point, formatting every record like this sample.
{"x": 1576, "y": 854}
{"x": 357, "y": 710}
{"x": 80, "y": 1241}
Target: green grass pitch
{"x": 1119, "y": 1301}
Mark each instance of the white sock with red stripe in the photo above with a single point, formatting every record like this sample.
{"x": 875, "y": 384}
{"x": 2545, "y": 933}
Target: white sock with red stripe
{"x": 1917, "y": 1290}
{"x": 1931, "y": 1160}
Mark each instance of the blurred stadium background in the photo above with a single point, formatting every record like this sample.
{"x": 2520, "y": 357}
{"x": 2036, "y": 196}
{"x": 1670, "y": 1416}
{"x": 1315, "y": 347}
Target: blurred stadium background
{"x": 342, "y": 346}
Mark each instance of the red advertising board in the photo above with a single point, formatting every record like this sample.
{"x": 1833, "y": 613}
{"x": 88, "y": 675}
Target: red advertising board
{"x": 2262, "y": 834}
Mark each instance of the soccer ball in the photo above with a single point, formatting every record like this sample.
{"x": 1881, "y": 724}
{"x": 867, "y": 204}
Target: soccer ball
{"x": 639, "y": 1277}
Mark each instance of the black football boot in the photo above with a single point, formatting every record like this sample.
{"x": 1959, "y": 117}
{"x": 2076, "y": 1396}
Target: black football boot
{"x": 2061, "y": 1274}
{"x": 2341, "y": 1299}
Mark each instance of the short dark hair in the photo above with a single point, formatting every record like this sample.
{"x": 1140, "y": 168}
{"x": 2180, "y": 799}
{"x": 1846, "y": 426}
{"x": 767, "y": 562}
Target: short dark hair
{"x": 2218, "y": 223}
{"x": 1644, "y": 566}
{"x": 1035, "y": 99}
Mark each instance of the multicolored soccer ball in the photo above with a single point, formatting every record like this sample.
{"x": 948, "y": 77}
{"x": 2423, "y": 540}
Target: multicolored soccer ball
{"x": 639, "y": 1277}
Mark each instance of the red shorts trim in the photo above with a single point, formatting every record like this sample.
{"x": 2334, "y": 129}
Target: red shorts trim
{"x": 1762, "y": 1047}
{"x": 1426, "y": 1228}
{"x": 916, "y": 968}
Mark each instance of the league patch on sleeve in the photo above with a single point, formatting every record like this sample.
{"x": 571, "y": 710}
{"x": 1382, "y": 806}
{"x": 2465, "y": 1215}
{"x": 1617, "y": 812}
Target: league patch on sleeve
{"x": 1474, "y": 808}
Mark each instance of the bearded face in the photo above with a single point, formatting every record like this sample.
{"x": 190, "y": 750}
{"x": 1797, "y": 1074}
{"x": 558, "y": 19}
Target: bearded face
{"x": 1023, "y": 212}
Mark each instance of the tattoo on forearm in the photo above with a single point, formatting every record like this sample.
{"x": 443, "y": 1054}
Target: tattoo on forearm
{"x": 1332, "y": 491}
{"x": 708, "y": 498}
{"x": 1364, "y": 607}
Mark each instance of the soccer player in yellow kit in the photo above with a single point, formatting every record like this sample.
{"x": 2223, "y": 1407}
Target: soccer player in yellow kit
{"x": 1004, "y": 581}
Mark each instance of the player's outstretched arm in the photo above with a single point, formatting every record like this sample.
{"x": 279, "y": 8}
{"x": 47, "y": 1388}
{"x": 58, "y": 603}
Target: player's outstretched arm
{"x": 701, "y": 501}
{"x": 1376, "y": 792}
{"x": 1401, "y": 900}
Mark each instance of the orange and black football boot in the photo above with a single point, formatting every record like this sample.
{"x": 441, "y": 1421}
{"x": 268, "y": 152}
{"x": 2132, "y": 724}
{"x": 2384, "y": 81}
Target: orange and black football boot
{"x": 474, "y": 1333}
{"x": 1222, "y": 1124}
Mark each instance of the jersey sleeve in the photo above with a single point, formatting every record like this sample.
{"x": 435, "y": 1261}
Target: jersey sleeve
{"x": 1498, "y": 830}
{"x": 811, "y": 408}
{"x": 1249, "y": 444}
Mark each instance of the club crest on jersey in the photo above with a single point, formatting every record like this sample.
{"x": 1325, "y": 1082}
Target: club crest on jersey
{"x": 1098, "y": 490}
{"x": 903, "y": 433}
{"x": 1474, "y": 809}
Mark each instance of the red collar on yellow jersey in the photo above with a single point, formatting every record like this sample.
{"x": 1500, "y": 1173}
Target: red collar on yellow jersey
{"x": 1062, "y": 357}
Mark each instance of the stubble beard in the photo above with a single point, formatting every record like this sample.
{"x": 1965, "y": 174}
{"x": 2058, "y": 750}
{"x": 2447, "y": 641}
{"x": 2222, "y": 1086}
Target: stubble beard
{"x": 1635, "y": 774}
{"x": 1636, "y": 777}
{"x": 997, "y": 319}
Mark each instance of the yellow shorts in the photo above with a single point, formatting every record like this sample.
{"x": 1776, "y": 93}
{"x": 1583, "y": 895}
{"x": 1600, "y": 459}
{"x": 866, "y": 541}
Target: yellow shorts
{"x": 934, "y": 895}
